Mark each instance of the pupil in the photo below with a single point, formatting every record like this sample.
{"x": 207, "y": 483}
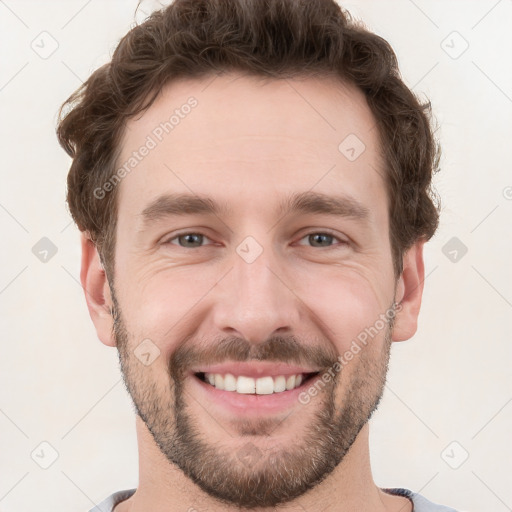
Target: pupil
{"x": 190, "y": 239}
{"x": 319, "y": 236}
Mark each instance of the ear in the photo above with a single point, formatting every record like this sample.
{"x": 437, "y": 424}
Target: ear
{"x": 97, "y": 291}
{"x": 409, "y": 291}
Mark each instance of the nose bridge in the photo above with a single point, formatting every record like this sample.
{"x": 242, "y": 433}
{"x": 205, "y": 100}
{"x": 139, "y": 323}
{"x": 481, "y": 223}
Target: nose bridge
{"x": 256, "y": 301}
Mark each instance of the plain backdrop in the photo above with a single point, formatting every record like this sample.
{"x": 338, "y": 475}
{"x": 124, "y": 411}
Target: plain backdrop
{"x": 443, "y": 427}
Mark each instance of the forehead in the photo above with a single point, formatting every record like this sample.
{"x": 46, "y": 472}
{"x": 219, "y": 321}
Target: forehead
{"x": 239, "y": 137}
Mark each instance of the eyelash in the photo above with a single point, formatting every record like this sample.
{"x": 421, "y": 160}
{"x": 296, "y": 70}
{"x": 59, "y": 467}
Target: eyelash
{"x": 179, "y": 235}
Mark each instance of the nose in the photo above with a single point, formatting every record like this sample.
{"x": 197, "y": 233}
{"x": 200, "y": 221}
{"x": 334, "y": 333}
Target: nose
{"x": 256, "y": 300}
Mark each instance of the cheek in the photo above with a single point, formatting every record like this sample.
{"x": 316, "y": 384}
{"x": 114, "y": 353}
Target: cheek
{"x": 346, "y": 302}
{"x": 166, "y": 305}
{"x": 163, "y": 304}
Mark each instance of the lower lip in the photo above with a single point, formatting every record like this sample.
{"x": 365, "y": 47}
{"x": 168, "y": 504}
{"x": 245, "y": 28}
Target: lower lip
{"x": 250, "y": 404}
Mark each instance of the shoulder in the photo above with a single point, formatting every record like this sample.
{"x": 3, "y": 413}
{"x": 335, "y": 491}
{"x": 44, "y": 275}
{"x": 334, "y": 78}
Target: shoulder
{"x": 421, "y": 504}
{"x": 108, "y": 504}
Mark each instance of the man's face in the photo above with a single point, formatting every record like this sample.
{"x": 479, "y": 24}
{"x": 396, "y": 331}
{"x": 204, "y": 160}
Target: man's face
{"x": 284, "y": 292}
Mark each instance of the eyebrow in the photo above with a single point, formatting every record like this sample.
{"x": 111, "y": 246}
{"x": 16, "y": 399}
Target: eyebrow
{"x": 320, "y": 203}
{"x": 168, "y": 205}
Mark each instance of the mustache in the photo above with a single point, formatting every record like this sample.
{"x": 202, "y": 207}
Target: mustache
{"x": 282, "y": 349}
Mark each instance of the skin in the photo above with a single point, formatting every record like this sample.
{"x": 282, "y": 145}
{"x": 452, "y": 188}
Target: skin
{"x": 250, "y": 143}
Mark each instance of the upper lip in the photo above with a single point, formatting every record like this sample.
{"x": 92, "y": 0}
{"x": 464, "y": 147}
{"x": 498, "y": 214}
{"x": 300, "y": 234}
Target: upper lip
{"x": 255, "y": 370}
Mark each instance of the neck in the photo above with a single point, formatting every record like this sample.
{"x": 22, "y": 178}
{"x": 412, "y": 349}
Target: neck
{"x": 163, "y": 486}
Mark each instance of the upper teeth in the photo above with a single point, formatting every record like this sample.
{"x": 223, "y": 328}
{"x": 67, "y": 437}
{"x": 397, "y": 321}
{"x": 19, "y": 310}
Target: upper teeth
{"x": 248, "y": 385}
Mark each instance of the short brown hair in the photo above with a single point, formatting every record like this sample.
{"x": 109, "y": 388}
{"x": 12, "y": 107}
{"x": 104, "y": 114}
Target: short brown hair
{"x": 265, "y": 38}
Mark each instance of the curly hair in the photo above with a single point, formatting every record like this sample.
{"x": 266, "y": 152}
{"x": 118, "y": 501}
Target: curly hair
{"x": 264, "y": 38}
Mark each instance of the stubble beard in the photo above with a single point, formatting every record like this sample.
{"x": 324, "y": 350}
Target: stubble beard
{"x": 249, "y": 476}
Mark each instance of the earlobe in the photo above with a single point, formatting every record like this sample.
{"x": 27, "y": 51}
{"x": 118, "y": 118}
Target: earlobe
{"x": 97, "y": 291}
{"x": 409, "y": 292}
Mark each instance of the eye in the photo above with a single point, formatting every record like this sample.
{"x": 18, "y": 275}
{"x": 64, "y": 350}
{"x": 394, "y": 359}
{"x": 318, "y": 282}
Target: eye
{"x": 321, "y": 239}
{"x": 189, "y": 240}
{"x": 192, "y": 240}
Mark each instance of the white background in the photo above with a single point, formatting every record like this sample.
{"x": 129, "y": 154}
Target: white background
{"x": 451, "y": 382}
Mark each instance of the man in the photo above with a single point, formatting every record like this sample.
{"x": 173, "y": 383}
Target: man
{"x": 278, "y": 140}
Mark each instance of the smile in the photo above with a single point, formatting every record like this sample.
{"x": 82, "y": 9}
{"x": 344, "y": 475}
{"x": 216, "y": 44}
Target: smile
{"x": 265, "y": 385}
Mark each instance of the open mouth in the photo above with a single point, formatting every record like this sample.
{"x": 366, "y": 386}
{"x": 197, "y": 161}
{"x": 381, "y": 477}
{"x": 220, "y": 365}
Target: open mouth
{"x": 265, "y": 385}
